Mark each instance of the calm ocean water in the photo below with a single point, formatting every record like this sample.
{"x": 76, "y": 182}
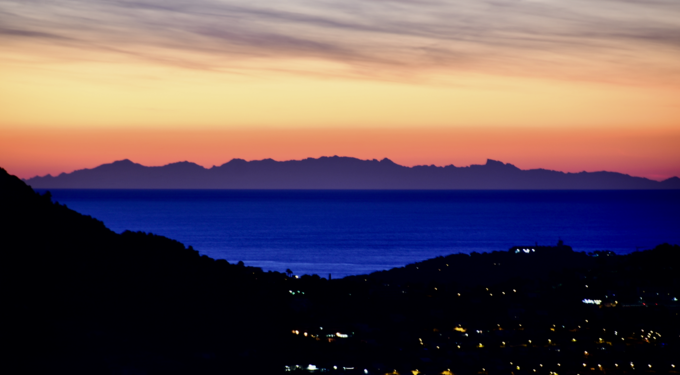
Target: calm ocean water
{"x": 355, "y": 232}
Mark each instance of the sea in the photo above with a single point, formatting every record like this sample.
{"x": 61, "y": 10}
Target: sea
{"x": 348, "y": 232}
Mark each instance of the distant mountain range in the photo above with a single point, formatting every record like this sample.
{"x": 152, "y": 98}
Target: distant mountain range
{"x": 337, "y": 173}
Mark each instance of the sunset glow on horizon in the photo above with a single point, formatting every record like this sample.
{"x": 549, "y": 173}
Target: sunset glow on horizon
{"x": 588, "y": 85}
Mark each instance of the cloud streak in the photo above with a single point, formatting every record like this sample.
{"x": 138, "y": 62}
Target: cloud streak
{"x": 624, "y": 40}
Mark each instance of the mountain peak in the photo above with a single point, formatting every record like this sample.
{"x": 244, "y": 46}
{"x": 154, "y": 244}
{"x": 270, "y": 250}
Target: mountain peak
{"x": 498, "y": 164}
{"x": 184, "y": 164}
{"x": 120, "y": 164}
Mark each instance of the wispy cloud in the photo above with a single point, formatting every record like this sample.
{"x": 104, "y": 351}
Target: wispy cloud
{"x": 584, "y": 39}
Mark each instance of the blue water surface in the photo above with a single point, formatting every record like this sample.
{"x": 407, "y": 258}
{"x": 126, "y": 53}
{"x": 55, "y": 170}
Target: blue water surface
{"x": 359, "y": 231}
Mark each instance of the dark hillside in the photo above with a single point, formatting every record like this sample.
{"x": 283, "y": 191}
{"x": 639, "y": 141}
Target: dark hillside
{"x": 82, "y": 298}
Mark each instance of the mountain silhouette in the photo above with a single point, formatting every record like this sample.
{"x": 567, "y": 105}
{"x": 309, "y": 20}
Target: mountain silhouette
{"x": 337, "y": 173}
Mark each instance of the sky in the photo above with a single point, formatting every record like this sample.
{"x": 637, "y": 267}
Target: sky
{"x": 566, "y": 85}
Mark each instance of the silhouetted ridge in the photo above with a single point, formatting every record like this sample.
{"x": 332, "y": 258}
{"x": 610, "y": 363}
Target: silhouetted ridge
{"x": 337, "y": 172}
{"x": 83, "y": 299}
{"x": 497, "y": 164}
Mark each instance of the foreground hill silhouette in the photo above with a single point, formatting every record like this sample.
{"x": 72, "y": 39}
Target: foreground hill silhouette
{"x": 81, "y": 299}
{"x": 336, "y": 173}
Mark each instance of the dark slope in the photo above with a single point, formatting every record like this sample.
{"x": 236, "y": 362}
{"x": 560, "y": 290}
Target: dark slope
{"x": 486, "y": 268}
{"x": 657, "y": 267}
{"x": 79, "y": 298}
{"x": 337, "y": 173}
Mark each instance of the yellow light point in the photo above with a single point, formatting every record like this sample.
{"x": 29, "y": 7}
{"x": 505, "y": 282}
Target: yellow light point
{"x": 415, "y": 372}
{"x": 518, "y": 367}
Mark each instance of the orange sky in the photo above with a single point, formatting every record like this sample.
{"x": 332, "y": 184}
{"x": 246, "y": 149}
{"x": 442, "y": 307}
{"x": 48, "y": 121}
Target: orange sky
{"x": 584, "y": 85}
{"x": 649, "y": 154}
